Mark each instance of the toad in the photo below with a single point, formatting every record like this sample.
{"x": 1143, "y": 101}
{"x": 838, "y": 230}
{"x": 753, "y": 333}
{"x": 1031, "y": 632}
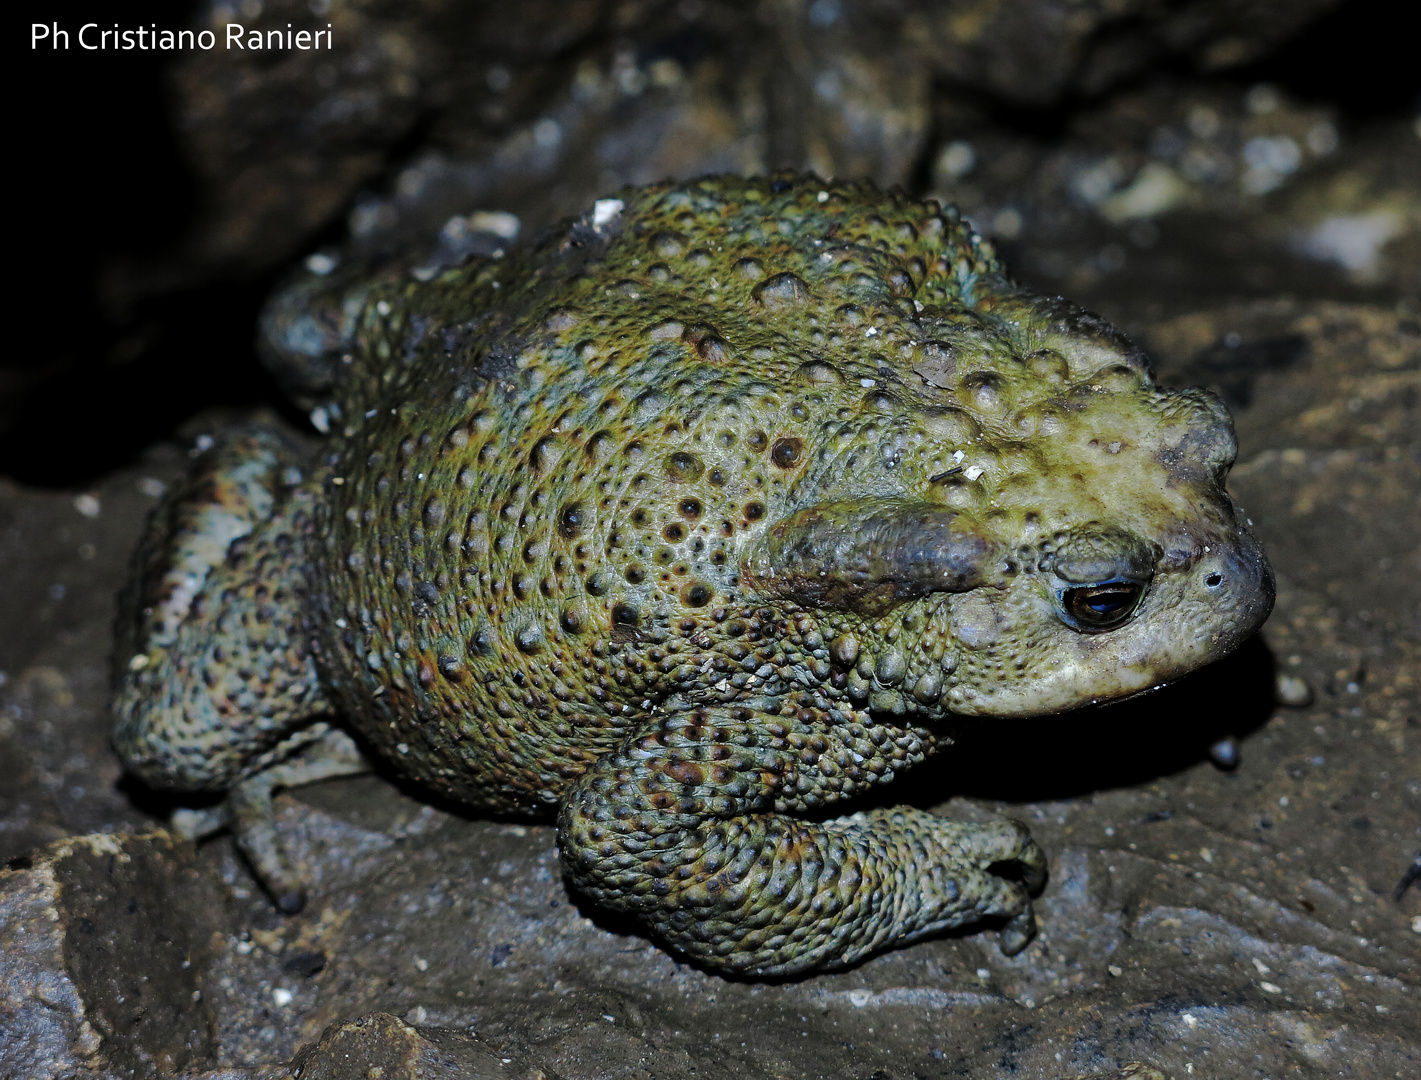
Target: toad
{"x": 718, "y": 508}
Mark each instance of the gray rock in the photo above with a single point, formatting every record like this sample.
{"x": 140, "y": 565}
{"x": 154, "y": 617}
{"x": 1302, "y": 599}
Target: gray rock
{"x": 1194, "y": 917}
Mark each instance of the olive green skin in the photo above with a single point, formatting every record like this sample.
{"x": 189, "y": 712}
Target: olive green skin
{"x": 749, "y": 491}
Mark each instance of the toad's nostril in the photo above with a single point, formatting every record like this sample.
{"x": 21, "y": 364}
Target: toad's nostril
{"x": 1214, "y": 580}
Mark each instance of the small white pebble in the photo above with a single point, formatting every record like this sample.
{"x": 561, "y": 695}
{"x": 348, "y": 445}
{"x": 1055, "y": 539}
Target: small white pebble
{"x": 1416, "y": 924}
{"x": 88, "y": 505}
{"x": 1206, "y": 855}
{"x": 867, "y": 383}
{"x": 138, "y": 663}
{"x": 1382, "y": 1009}
{"x": 609, "y": 1018}
{"x": 320, "y": 264}
{"x": 860, "y": 997}
{"x": 281, "y": 996}
{"x": 321, "y": 420}
{"x": 499, "y": 222}
{"x": 983, "y": 973}
{"x": 1190, "y": 1021}
{"x": 1263, "y": 969}
{"x": 421, "y": 963}
{"x": 152, "y": 487}
{"x": 973, "y": 471}
{"x": 1271, "y": 988}
{"x": 1115, "y": 970}
{"x": 383, "y": 307}
{"x": 604, "y": 210}
{"x": 823, "y": 196}
{"x": 403, "y": 748}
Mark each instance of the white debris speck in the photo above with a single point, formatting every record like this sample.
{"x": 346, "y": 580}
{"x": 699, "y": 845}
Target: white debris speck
{"x": 872, "y": 331}
{"x": 383, "y": 307}
{"x": 983, "y": 973}
{"x": 1270, "y": 160}
{"x": 1416, "y": 924}
{"x": 152, "y": 487}
{"x": 973, "y": 471}
{"x": 1155, "y": 189}
{"x": 1353, "y": 241}
{"x": 88, "y": 505}
{"x": 1382, "y": 1009}
{"x": 1322, "y": 138}
{"x": 604, "y": 210}
{"x": 1203, "y": 122}
{"x": 1206, "y": 855}
{"x": 501, "y": 223}
{"x": 321, "y": 420}
{"x": 868, "y": 383}
{"x": 202, "y": 444}
{"x": 403, "y": 748}
{"x": 281, "y": 996}
{"x": 609, "y": 1018}
{"x": 859, "y": 998}
{"x": 1007, "y": 223}
{"x": 1263, "y": 969}
{"x": 1115, "y": 970}
{"x": 957, "y": 456}
{"x": 823, "y": 196}
{"x": 138, "y": 663}
{"x": 421, "y": 963}
{"x": 1094, "y": 182}
{"x": 1262, "y": 99}
{"x": 1271, "y": 988}
{"x": 320, "y": 263}
{"x": 956, "y": 160}
{"x": 1190, "y": 1021}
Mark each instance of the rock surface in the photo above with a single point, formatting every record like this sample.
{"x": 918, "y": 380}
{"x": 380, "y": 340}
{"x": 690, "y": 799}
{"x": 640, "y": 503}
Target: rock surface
{"x": 1255, "y": 922}
{"x": 1242, "y": 923}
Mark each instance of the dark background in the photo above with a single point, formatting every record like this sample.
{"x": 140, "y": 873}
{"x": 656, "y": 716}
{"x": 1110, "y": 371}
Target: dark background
{"x": 93, "y": 373}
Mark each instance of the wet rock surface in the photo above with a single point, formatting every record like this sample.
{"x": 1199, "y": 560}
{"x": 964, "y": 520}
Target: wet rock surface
{"x": 1243, "y": 923}
{"x": 1260, "y": 239}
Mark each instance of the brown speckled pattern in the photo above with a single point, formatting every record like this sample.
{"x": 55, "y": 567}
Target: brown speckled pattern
{"x": 714, "y": 509}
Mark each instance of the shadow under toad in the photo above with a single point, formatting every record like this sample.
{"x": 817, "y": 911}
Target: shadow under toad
{"x": 1109, "y": 746}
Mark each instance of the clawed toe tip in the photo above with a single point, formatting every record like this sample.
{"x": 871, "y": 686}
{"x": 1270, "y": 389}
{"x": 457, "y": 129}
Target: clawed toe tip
{"x": 1017, "y": 934}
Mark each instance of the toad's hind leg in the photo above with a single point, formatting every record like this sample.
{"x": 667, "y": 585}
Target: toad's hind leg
{"x": 690, "y": 826}
{"x": 216, "y": 686}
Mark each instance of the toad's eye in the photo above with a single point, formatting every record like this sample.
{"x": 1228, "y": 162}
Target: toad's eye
{"x": 1102, "y": 606}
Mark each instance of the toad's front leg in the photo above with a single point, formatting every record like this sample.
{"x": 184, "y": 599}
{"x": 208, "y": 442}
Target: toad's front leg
{"x": 689, "y": 827}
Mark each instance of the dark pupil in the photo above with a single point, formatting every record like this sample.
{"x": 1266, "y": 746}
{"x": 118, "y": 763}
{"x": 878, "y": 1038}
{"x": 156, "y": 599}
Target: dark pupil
{"x": 1102, "y": 606}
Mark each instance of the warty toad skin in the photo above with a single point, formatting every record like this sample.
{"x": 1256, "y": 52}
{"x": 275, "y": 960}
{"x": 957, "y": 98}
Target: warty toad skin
{"x": 723, "y": 505}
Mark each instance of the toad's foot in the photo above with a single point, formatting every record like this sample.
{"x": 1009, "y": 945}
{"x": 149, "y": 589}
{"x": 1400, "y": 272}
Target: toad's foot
{"x": 217, "y": 687}
{"x": 250, "y": 813}
{"x": 688, "y": 826}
